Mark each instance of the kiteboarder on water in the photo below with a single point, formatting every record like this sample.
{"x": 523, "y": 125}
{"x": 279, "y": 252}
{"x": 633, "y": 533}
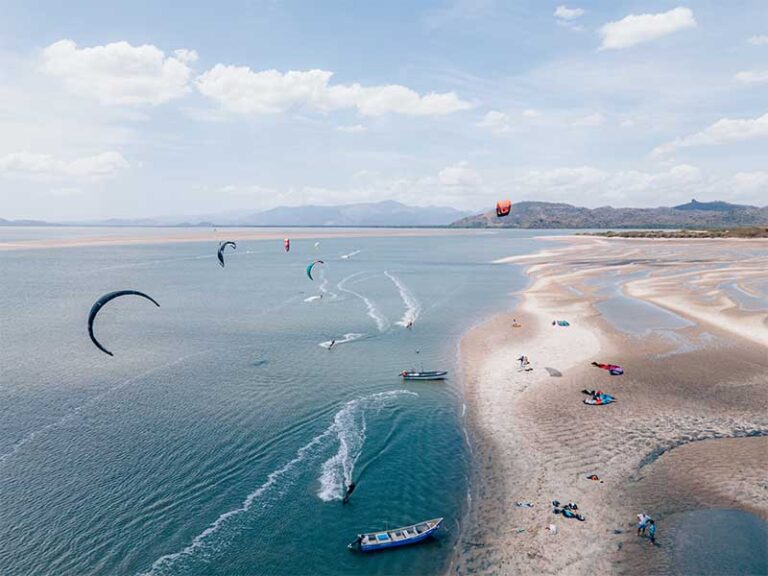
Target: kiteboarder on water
{"x": 350, "y": 488}
{"x": 332, "y": 343}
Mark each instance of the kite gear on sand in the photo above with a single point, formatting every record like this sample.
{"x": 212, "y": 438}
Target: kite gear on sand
{"x": 614, "y": 369}
{"x": 597, "y": 398}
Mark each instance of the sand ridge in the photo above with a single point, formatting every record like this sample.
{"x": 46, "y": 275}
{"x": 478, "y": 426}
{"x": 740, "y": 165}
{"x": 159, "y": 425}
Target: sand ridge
{"x": 536, "y": 441}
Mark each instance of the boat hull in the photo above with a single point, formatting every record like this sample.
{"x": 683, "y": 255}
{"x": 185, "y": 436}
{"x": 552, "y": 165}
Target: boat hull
{"x": 398, "y": 537}
{"x": 424, "y": 375}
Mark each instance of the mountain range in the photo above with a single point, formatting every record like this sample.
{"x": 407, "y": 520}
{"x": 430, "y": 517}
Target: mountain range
{"x": 386, "y": 213}
{"x": 693, "y": 214}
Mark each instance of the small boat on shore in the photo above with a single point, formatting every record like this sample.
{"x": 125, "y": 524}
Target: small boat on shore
{"x": 423, "y": 375}
{"x": 396, "y": 537}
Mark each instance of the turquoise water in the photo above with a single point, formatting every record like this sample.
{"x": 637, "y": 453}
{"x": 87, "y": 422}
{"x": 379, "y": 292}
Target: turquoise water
{"x": 218, "y": 438}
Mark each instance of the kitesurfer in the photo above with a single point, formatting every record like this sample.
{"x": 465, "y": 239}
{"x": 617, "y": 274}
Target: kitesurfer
{"x": 350, "y": 488}
{"x": 409, "y": 325}
{"x": 331, "y": 344}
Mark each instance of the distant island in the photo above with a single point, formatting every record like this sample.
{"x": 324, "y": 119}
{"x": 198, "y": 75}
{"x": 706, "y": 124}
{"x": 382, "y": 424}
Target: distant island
{"x": 748, "y": 232}
{"x": 694, "y": 214}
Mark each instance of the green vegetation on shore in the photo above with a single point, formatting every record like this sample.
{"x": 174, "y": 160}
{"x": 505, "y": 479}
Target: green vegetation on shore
{"x": 748, "y": 232}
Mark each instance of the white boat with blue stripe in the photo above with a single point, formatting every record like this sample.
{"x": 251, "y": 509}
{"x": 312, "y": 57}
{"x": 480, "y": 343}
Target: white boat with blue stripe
{"x": 397, "y": 537}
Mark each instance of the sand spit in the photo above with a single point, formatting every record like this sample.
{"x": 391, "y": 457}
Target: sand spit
{"x": 172, "y": 235}
{"x": 682, "y": 427}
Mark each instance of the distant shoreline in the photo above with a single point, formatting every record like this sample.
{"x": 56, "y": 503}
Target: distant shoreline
{"x": 183, "y": 235}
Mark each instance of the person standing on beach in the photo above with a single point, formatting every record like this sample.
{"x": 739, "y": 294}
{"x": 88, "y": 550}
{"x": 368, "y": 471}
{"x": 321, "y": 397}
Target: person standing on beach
{"x": 642, "y": 523}
{"x": 652, "y": 531}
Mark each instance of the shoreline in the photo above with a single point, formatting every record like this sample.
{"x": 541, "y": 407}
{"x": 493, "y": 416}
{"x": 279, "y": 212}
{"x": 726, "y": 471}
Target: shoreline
{"x": 534, "y": 440}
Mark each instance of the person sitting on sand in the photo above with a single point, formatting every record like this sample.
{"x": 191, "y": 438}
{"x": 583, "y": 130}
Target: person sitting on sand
{"x": 652, "y": 531}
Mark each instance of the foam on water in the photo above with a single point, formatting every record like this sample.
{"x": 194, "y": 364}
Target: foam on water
{"x": 373, "y": 312}
{"x": 412, "y": 305}
{"x": 348, "y": 256}
{"x": 347, "y": 428}
{"x": 350, "y": 337}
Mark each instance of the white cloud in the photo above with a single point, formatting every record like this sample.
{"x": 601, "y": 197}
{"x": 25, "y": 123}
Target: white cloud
{"x": 639, "y": 28}
{"x": 241, "y": 90}
{"x": 747, "y": 182}
{"x": 120, "y": 74}
{"x": 590, "y": 121}
{"x": 45, "y": 168}
{"x": 587, "y": 185}
{"x": 497, "y": 122}
{"x": 353, "y": 129}
{"x": 752, "y": 76}
{"x": 247, "y": 191}
{"x": 530, "y": 113}
{"x": 564, "y": 13}
{"x": 459, "y": 175}
{"x": 723, "y": 131}
{"x": 760, "y": 40}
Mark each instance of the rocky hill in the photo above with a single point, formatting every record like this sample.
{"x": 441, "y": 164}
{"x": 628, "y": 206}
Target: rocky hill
{"x": 555, "y": 215}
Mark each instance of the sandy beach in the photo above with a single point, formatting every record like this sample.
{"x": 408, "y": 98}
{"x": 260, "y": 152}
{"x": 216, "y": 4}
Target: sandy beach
{"x": 688, "y": 429}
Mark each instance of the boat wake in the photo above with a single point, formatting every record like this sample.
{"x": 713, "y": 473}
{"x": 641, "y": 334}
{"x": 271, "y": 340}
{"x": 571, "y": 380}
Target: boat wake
{"x": 347, "y": 428}
{"x": 348, "y": 256}
{"x": 373, "y": 312}
{"x": 412, "y": 305}
{"x": 351, "y": 337}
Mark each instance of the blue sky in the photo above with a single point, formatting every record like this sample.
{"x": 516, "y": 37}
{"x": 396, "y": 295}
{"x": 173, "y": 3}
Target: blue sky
{"x": 130, "y": 109}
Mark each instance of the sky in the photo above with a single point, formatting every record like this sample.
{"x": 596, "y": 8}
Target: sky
{"x": 151, "y": 108}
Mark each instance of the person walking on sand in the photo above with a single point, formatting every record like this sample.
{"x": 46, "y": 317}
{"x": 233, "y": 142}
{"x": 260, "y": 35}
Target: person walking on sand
{"x": 652, "y": 532}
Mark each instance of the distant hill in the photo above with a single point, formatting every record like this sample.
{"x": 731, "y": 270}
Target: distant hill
{"x": 387, "y": 213}
{"x": 555, "y": 215}
{"x": 4, "y": 222}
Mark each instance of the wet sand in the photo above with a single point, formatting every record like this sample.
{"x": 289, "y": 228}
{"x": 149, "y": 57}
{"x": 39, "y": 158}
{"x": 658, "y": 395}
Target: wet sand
{"x": 688, "y": 431}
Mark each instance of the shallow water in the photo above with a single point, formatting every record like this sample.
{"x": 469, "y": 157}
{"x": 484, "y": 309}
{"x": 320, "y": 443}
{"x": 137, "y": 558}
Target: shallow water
{"x": 218, "y": 438}
{"x": 717, "y": 543}
{"x": 630, "y": 315}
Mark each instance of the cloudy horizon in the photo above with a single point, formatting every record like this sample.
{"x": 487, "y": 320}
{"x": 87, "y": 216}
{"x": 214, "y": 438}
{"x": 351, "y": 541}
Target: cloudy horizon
{"x": 132, "y": 110}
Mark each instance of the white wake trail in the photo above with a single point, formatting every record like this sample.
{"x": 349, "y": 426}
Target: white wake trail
{"x": 373, "y": 312}
{"x": 348, "y": 428}
{"x": 412, "y": 305}
{"x": 350, "y": 337}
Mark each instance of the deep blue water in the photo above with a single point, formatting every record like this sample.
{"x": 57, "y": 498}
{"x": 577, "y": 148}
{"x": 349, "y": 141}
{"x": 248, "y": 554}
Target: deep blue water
{"x": 218, "y": 438}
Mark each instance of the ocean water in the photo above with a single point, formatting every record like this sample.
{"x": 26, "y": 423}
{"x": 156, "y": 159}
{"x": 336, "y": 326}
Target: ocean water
{"x": 218, "y": 438}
